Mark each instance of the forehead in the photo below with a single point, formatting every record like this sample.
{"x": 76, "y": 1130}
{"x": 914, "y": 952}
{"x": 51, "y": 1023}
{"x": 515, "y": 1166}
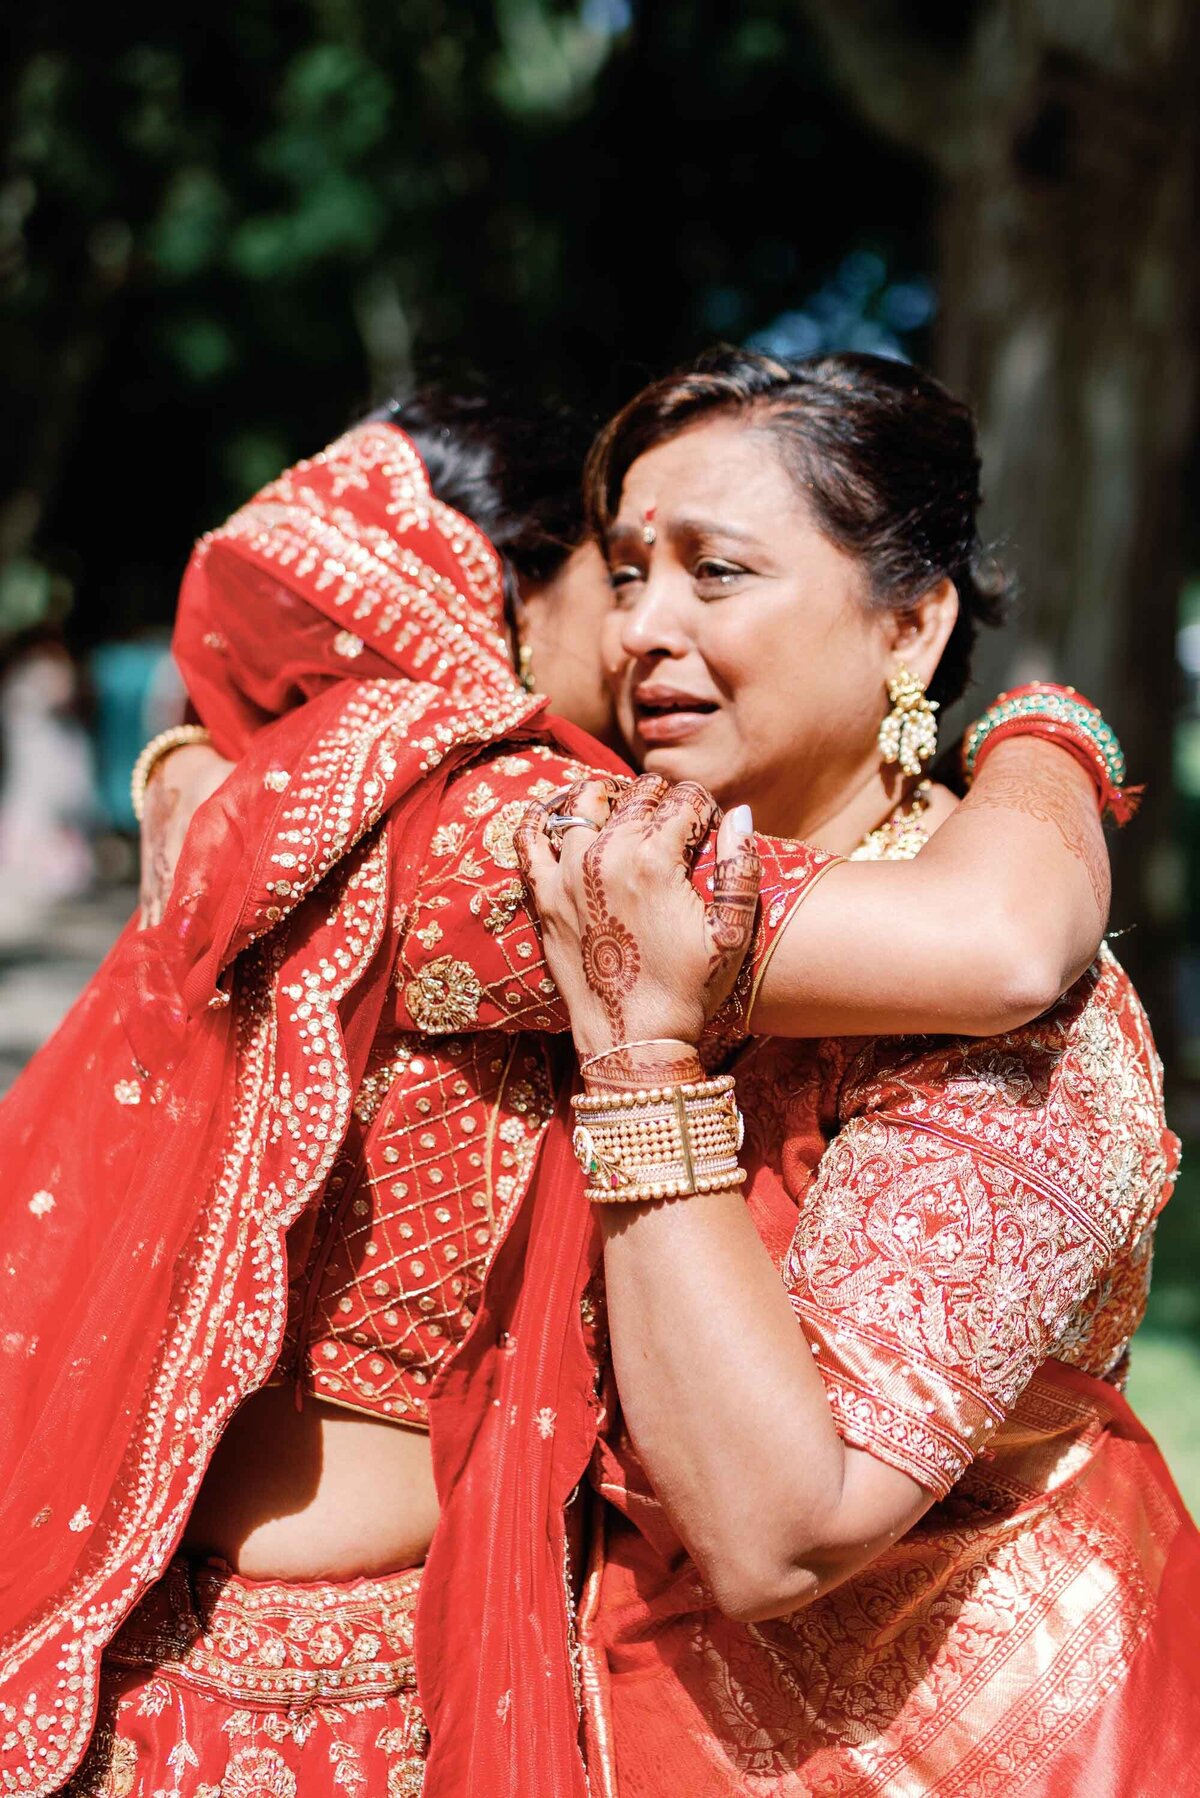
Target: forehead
{"x": 721, "y": 468}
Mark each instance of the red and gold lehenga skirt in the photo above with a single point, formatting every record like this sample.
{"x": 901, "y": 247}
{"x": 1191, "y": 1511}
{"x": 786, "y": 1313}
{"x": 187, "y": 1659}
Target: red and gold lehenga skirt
{"x": 223, "y": 1687}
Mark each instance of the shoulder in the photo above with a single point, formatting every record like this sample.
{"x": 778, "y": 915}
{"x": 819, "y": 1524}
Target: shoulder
{"x": 504, "y": 772}
{"x": 1073, "y": 1100}
{"x": 484, "y": 801}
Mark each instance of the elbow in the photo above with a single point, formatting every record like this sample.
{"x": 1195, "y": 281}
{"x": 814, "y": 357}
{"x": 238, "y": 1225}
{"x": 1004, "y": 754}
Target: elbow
{"x": 1026, "y": 975}
{"x": 747, "y": 1592}
{"x": 1024, "y": 991}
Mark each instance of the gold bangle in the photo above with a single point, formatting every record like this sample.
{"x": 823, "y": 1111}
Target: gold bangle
{"x": 158, "y": 747}
{"x": 654, "y": 1095}
{"x": 663, "y": 1142}
{"x": 641, "y": 1042}
{"x": 630, "y": 1195}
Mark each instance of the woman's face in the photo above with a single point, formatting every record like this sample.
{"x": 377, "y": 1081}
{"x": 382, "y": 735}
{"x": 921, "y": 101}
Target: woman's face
{"x": 561, "y": 621}
{"x": 741, "y": 650}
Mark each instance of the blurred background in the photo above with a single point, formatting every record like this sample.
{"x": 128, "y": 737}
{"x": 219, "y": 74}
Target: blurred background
{"x": 226, "y": 230}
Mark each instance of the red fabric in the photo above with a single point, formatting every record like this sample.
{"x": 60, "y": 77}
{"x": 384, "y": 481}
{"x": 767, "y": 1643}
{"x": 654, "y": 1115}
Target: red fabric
{"x": 1146, "y": 1736}
{"x": 342, "y": 638}
{"x": 449, "y": 1115}
{"x": 259, "y": 1689}
{"x": 953, "y": 1220}
{"x": 1010, "y": 1640}
{"x": 514, "y": 1420}
{"x": 211, "y": 1064}
{"x": 503, "y": 1716}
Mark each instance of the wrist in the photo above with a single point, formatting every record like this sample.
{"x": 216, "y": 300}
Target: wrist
{"x": 634, "y": 1066}
{"x": 155, "y": 753}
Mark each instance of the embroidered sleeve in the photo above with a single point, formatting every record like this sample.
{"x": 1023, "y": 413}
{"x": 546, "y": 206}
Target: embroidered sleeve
{"x": 472, "y": 955}
{"x": 974, "y": 1197}
{"x": 790, "y": 871}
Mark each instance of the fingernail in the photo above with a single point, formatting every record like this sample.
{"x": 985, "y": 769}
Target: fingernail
{"x": 741, "y": 819}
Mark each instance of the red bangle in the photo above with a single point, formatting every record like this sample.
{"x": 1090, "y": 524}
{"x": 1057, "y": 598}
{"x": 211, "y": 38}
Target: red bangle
{"x": 1061, "y": 716}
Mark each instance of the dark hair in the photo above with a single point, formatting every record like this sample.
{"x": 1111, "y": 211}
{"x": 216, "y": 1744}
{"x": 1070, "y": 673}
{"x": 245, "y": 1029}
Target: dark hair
{"x": 512, "y": 468}
{"x": 883, "y": 454}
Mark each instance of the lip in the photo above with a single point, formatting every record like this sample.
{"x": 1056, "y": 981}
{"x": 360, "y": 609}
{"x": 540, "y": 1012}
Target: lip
{"x": 664, "y": 715}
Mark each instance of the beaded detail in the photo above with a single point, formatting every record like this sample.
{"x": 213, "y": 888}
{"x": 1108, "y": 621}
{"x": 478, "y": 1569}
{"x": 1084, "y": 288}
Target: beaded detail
{"x": 668, "y": 1142}
{"x": 1056, "y": 705}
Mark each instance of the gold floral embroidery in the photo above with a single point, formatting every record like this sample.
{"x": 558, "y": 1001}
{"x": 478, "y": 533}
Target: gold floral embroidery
{"x": 258, "y": 1773}
{"x": 448, "y": 839}
{"x": 503, "y": 904}
{"x": 498, "y": 834}
{"x": 406, "y": 1779}
{"x": 110, "y": 1770}
{"x": 479, "y": 801}
{"x": 444, "y": 996}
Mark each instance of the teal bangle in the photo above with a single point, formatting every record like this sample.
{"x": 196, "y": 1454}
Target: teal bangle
{"x": 1053, "y": 706}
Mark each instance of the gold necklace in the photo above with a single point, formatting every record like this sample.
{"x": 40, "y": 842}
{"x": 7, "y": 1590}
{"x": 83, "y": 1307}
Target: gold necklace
{"x": 900, "y": 836}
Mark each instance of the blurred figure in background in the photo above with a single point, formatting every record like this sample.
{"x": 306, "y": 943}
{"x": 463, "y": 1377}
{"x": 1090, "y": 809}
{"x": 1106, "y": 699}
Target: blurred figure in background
{"x": 48, "y": 797}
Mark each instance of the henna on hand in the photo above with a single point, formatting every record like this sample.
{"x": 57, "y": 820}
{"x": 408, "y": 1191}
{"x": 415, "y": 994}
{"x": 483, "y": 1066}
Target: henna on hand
{"x": 689, "y": 801}
{"x": 736, "y": 882}
{"x": 639, "y": 1065}
{"x": 634, "y": 949}
{"x": 609, "y": 955}
{"x": 638, "y": 803}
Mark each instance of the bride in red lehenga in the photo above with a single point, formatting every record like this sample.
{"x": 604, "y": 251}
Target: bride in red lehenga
{"x": 285, "y": 1131}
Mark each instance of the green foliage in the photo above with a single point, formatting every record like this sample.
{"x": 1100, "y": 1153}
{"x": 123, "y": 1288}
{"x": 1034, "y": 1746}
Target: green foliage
{"x": 223, "y": 232}
{"x": 1165, "y": 1362}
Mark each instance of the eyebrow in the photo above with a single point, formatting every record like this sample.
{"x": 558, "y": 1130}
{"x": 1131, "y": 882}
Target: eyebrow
{"x": 625, "y": 529}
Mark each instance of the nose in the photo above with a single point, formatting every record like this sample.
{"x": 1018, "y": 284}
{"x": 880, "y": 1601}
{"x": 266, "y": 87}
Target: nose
{"x": 653, "y": 626}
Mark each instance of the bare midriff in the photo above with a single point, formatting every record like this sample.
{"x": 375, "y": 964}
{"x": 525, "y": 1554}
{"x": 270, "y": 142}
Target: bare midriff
{"x": 315, "y": 1492}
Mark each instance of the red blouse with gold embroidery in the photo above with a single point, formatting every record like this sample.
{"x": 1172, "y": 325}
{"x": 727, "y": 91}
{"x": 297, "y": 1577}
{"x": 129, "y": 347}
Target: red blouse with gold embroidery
{"x": 461, "y": 1084}
{"x": 967, "y": 1209}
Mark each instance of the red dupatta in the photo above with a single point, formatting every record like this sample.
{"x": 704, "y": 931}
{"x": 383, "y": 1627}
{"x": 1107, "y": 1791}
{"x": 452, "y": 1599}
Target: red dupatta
{"x": 342, "y": 637}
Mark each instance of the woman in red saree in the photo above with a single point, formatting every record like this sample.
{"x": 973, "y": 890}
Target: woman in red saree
{"x": 253, "y": 1082}
{"x": 871, "y": 1513}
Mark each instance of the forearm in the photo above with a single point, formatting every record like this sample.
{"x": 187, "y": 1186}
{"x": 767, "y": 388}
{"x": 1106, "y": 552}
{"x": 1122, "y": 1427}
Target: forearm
{"x": 725, "y": 1404}
{"x": 998, "y": 915}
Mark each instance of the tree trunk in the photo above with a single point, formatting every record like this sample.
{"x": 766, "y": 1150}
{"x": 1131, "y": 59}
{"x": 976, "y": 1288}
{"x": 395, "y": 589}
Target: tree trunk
{"x": 1068, "y": 317}
{"x": 1065, "y": 134}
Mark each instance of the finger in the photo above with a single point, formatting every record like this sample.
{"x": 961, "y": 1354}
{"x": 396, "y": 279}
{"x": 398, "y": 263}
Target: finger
{"x": 737, "y": 878}
{"x": 535, "y": 855}
{"x": 735, "y": 827}
{"x": 614, "y": 786}
{"x": 591, "y": 799}
{"x": 684, "y": 817}
{"x": 638, "y": 802}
